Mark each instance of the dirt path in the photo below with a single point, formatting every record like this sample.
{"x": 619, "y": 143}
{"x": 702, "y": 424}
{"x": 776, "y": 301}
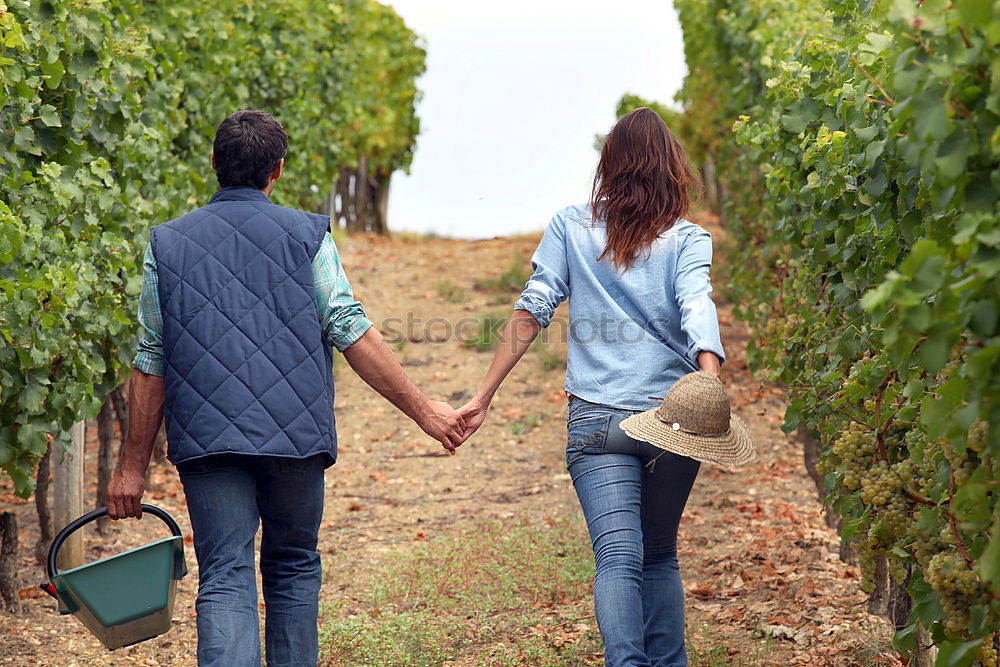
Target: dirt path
{"x": 763, "y": 580}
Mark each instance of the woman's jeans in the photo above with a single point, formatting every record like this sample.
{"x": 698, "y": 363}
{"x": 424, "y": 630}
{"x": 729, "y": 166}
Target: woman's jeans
{"x": 632, "y": 495}
{"x": 227, "y": 496}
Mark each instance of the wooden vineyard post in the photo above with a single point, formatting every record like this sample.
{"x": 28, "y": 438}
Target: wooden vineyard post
{"x": 9, "y": 600}
{"x": 68, "y": 505}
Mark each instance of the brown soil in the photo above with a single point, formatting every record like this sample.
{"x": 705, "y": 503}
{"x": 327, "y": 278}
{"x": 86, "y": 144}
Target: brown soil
{"x": 760, "y": 566}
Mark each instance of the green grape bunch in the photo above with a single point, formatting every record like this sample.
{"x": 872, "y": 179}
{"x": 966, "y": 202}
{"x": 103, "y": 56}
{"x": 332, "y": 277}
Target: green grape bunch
{"x": 988, "y": 652}
{"x": 878, "y": 484}
{"x": 923, "y": 544}
{"x": 957, "y": 585}
{"x": 976, "y": 440}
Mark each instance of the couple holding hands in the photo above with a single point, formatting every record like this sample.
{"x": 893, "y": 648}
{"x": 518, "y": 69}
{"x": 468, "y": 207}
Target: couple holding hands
{"x": 242, "y": 301}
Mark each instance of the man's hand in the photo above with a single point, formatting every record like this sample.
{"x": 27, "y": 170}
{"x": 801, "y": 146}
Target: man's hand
{"x": 375, "y": 363}
{"x": 474, "y": 413}
{"x": 443, "y": 423}
{"x": 145, "y": 412}
{"x": 125, "y": 495}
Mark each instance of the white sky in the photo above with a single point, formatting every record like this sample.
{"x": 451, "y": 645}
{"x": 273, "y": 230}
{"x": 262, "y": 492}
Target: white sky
{"x": 514, "y": 94}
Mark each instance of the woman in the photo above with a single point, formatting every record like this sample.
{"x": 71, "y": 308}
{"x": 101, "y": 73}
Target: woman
{"x": 641, "y": 317}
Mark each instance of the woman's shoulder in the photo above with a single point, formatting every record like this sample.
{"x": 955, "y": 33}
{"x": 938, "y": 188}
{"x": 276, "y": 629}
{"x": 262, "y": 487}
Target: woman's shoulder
{"x": 684, "y": 227}
{"x": 578, "y": 214}
{"x": 583, "y": 215}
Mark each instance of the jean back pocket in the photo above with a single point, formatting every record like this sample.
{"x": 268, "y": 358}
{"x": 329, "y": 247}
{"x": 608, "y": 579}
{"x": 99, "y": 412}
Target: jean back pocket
{"x": 586, "y": 434}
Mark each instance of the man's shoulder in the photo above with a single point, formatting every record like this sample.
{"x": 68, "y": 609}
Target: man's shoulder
{"x": 180, "y": 222}
{"x": 296, "y": 214}
{"x": 281, "y": 214}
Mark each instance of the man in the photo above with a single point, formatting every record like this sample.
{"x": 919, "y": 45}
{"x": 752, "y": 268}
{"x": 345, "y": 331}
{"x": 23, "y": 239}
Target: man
{"x": 240, "y": 304}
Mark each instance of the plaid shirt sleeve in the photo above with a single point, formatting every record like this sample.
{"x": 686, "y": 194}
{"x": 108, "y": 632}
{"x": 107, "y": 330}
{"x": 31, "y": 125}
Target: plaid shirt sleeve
{"x": 149, "y": 355}
{"x": 341, "y": 317}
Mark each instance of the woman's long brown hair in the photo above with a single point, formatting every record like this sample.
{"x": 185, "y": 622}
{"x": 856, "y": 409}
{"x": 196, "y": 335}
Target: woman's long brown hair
{"x": 642, "y": 186}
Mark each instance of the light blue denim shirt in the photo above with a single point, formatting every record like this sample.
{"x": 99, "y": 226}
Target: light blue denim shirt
{"x": 631, "y": 334}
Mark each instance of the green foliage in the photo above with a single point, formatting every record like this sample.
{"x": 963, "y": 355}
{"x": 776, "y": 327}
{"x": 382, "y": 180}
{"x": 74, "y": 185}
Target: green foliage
{"x": 863, "y": 188}
{"x": 492, "y": 595}
{"x": 109, "y": 113}
{"x": 375, "y": 92}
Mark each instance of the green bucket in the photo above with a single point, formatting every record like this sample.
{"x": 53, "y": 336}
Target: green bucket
{"x": 126, "y": 598}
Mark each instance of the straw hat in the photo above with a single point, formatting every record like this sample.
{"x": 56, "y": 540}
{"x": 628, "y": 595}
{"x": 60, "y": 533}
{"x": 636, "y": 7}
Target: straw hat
{"x": 694, "y": 420}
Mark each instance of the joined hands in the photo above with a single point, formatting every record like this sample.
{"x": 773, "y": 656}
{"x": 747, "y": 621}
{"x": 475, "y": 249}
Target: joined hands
{"x": 443, "y": 423}
{"x": 451, "y": 427}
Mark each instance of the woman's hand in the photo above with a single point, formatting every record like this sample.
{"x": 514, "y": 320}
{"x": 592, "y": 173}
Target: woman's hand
{"x": 709, "y": 362}
{"x": 474, "y": 414}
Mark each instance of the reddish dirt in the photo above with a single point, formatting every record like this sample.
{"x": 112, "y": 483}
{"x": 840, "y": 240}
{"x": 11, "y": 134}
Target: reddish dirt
{"x": 760, "y": 566}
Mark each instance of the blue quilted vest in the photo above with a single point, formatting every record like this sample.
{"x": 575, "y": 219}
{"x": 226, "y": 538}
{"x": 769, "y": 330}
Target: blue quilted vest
{"x": 246, "y": 367}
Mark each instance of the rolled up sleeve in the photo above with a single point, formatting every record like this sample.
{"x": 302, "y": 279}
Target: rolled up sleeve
{"x": 149, "y": 352}
{"x": 693, "y": 287}
{"x": 342, "y": 317}
{"x": 549, "y": 283}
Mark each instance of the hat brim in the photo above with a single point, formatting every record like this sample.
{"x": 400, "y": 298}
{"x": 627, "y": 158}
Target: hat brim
{"x": 735, "y": 448}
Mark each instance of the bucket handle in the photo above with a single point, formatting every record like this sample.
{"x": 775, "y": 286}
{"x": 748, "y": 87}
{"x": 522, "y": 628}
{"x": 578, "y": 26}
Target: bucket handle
{"x": 76, "y": 524}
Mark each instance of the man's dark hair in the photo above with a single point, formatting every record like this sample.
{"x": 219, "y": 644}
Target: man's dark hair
{"x": 248, "y": 147}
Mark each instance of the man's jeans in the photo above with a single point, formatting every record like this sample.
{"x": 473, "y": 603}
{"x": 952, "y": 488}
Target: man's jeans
{"x": 632, "y": 495}
{"x": 228, "y": 495}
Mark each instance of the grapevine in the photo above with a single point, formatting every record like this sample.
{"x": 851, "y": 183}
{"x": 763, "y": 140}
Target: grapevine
{"x": 859, "y": 145}
{"x": 109, "y": 111}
